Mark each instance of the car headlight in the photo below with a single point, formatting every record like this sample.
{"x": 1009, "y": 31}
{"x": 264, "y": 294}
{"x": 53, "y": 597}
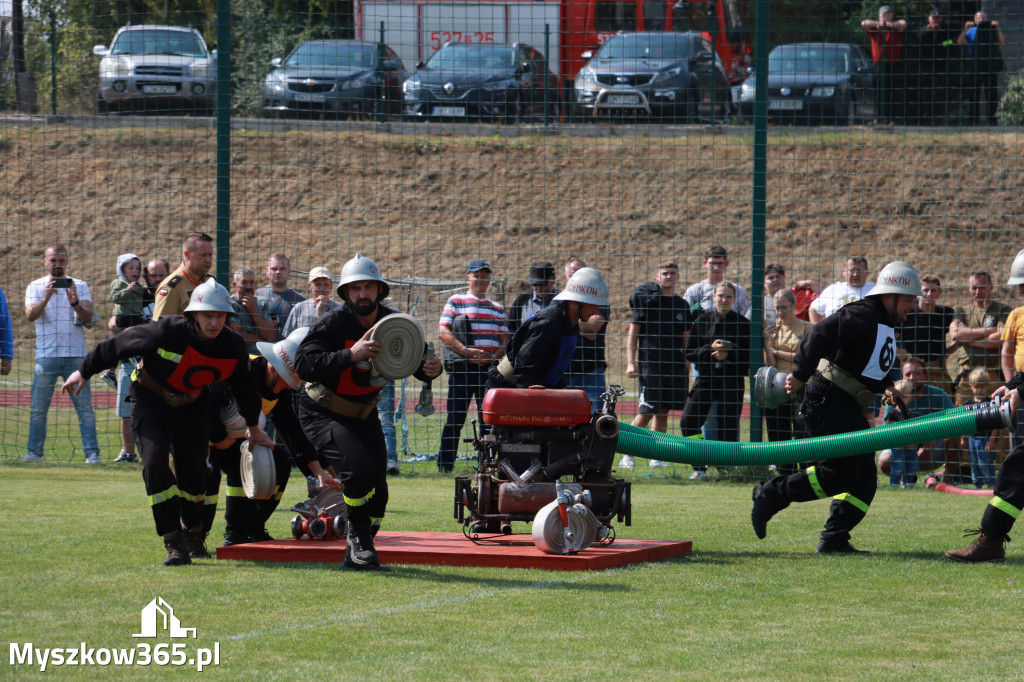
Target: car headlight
{"x": 355, "y": 83}
{"x": 410, "y": 85}
{"x": 823, "y": 91}
{"x": 202, "y": 72}
{"x": 115, "y": 68}
{"x": 503, "y": 84}
{"x": 665, "y": 75}
{"x": 747, "y": 90}
{"x": 586, "y": 79}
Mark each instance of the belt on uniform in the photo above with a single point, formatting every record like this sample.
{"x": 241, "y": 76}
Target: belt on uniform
{"x": 328, "y": 399}
{"x": 172, "y": 398}
{"x": 505, "y": 367}
{"x": 846, "y": 381}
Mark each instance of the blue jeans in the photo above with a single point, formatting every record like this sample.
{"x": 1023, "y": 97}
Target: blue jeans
{"x": 903, "y": 466}
{"x": 983, "y": 463}
{"x": 46, "y": 372}
{"x": 591, "y": 382}
{"x": 386, "y": 412}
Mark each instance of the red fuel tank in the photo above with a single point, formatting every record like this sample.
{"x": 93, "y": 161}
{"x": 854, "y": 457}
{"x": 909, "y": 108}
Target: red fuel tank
{"x": 536, "y": 407}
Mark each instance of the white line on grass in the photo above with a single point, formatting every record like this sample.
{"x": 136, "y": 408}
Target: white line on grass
{"x": 418, "y": 606}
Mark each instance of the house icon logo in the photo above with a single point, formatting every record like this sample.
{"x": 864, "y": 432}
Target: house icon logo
{"x": 158, "y": 615}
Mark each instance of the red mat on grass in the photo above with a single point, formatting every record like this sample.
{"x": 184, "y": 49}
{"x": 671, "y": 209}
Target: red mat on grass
{"x": 453, "y": 549}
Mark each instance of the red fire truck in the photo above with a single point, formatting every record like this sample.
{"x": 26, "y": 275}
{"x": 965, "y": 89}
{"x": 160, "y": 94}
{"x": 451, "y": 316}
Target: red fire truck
{"x": 415, "y": 29}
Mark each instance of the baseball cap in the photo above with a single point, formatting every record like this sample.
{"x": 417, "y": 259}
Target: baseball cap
{"x": 317, "y": 273}
{"x": 476, "y": 265}
{"x": 542, "y": 272}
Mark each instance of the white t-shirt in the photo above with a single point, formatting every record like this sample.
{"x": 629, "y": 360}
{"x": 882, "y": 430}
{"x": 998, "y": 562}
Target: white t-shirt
{"x": 57, "y": 335}
{"x": 835, "y": 296}
{"x": 703, "y": 294}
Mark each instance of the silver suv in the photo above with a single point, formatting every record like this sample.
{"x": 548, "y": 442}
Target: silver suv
{"x": 157, "y": 67}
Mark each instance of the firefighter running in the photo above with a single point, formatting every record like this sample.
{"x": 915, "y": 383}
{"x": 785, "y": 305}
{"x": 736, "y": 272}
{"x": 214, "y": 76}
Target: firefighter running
{"x": 181, "y": 357}
{"x": 338, "y": 408}
{"x": 845, "y": 360}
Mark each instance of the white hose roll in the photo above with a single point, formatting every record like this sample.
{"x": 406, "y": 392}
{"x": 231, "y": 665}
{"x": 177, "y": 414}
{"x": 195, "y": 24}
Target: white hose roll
{"x": 259, "y": 477}
{"x": 401, "y": 342}
{"x": 548, "y": 535}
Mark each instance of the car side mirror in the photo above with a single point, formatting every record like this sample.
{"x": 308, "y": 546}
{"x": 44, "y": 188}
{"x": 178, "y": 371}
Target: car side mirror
{"x": 213, "y": 54}
{"x": 525, "y": 67}
{"x": 389, "y": 65}
{"x": 420, "y": 64}
{"x": 703, "y": 56}
{"x": 100, "y": 50}
{"x": 588, "y": 55}
{"x": 275, "y": 62}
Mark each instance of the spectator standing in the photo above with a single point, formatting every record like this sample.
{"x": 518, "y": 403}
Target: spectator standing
{"x": 474, "y": 331}
{"x": 173, "y": 294}
{"x": 980, "y": 445}
{"x": 922, "y": 399}
{"x": 254, "y": 315}
{"x": 6, "y": 337}
{"x": 587, "y": 368}
{"x": 305, "y": 313}
{"x": 701, "y": 296}
{"x": 126, "y": 293}
{"x": 936, "y": 47}
{"x": 719, "y": 347}
{"x": 976, "y": 330}
{"x": 854, "y": 287}
{"x": 923, "y": 334}
{"x": 781, "y": 342}
{"x": 61, "y": 307}
{"x": 658, "y": 329}
{"x": 983, "y": 38}
{"x": 528, "y": 304}
{"x": 153, "y": 274}
{"x": 283, "y": 299}
{"x": 886, "y": 37}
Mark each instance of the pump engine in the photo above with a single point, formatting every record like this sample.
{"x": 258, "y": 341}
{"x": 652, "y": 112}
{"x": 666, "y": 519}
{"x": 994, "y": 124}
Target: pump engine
{"x": 533, "y": 438}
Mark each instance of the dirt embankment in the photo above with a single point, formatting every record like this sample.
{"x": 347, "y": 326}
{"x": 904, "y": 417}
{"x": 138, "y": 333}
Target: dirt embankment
{"x": 422, "y": 206}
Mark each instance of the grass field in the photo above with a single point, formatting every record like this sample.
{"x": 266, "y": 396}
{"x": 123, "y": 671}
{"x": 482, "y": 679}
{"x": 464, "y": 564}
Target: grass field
{"x": 81, "y": 559}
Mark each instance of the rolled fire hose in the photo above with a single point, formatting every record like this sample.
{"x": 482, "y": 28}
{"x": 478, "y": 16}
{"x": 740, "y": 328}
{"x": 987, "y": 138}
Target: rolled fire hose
{"x": 259, "y": 475}
{"x": 401, "y": 342}
{"x": 959, "y": 421}
{"x": 933, "y": 483}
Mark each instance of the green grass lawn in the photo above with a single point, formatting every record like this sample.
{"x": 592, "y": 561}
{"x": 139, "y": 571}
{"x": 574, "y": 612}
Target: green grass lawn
{"x": 80, "y": 559}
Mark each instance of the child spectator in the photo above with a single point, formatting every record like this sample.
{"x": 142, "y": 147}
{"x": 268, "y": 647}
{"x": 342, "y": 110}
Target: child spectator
{"x": 126, "y": 292}
{"x": 979, "y": 445}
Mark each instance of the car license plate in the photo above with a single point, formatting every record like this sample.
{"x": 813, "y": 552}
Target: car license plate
{"x": 623, "y": 99}
{"x": 159, "y": 89}
{"x": 309, "y": 97}
{"x": 449, "y": 111}
{"x": 786, "y": 104}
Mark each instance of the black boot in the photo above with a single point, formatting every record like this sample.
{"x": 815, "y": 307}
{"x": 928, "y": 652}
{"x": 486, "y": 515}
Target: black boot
{"x": 233, "y": 535}
{"x": 767, "y": 503}
{"x": 360, "y": 553}
{"x": 177, "y": 552}
{"x": 837, "y": 547}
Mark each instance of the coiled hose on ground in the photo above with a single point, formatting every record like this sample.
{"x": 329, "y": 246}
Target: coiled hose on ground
{"x": 959, "y": 421}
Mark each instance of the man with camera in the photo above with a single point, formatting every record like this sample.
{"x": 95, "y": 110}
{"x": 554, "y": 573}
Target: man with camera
{"x": 61, "y": 307}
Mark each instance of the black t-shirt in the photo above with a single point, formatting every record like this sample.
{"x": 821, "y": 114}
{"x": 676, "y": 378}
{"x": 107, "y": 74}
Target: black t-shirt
{"x": 923, "y": 335}
{"x": 663, "y": 320}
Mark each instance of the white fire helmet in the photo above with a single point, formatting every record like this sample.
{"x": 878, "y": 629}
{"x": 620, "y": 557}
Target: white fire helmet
{"x": 585, "y": 286}
{"x": 281, "y": 355}
{"x": 210, "y": 297}
{"x": 898, "y": 277}
{"x": 361, "y": 269}
{"x": 1017, "y": 269}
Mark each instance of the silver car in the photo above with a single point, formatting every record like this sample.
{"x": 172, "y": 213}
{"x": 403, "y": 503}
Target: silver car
{"x": 157, "y": 67}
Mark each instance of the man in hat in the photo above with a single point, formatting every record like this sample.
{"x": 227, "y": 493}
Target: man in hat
{"x": 528, "y": 304}
{"x": 474, "y": 331}
{"x": 305, "y": 313}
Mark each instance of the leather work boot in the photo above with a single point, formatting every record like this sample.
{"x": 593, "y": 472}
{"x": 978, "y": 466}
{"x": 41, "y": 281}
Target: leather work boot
{"x": 177, "y": 552}
{"x": 984, "y": 548}
{"x": 359, "y": 552}
{"x": 235, "y": 536}
{"x": 838, "y": 547}
{"x": 766, "y": 505}
{"x": 196, "y": 542}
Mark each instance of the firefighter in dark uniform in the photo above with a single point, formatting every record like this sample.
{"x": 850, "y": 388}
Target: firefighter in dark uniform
{"x": 541, "y": 349}
{"x": 338, "y": 408}
{"x": 1007, "y": 495}
{"x": 845, "y": 360}
{"x": 273, "y": 374}
{"x": 181, "y": 357}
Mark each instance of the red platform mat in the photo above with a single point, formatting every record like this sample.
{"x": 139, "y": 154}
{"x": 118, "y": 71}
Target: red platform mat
{"x": 453, "y": 549}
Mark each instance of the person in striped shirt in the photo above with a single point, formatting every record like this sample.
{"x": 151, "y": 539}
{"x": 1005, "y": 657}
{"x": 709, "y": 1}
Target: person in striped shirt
{"x": 474, "y": 331}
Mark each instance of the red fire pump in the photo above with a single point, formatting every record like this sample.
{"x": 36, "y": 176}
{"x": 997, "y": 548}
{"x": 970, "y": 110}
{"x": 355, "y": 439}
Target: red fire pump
{"x": 533, "y": 438}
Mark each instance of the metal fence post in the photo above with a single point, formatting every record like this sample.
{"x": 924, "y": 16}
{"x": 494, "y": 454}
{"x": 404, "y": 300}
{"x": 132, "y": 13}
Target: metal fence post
{"x": 223, "y": 261}
{"x": 53, "y": 63}
{"x": 547, "y": 60}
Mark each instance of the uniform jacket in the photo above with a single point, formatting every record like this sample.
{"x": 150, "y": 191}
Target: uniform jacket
{"x": 541, "y": 349}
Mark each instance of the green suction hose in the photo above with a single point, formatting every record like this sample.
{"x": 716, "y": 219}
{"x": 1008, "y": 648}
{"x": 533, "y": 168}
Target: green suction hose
{"x": 959, "y": 421}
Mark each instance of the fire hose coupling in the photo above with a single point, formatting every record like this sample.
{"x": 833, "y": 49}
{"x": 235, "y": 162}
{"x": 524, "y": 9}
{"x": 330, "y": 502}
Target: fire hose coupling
{"x": 992, "y": 415}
